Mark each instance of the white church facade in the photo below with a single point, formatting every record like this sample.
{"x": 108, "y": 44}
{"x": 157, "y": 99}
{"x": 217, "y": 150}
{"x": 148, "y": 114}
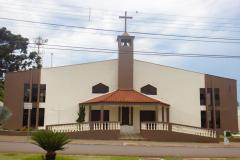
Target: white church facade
{"x": 124, "y": 96}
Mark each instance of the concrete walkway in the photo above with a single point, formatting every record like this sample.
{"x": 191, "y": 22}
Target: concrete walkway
{"x": 143, "y": 151}
{"x": 131, "y": 143}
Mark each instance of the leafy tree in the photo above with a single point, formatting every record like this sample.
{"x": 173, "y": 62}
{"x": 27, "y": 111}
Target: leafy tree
{"x": 1, "y": 91}
{"x": 4, "y": 114}
{"x": 13, "y": 52}
{"x": 81, "y": 114}
{"x": 50, "y": 141}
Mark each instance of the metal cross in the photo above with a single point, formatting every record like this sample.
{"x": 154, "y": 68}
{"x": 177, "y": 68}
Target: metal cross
{"x": 125, "y": 18}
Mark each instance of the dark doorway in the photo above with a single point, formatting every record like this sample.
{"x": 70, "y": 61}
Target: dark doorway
{"x": 106, "y": 115}
{"x": 96, "y": 115}
{"x": 147, "y": 116}
{"x": 125, "y": 115}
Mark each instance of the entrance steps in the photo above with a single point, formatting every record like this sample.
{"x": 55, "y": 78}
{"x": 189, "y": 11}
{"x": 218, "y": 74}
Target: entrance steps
{"x": 131, "y": 136}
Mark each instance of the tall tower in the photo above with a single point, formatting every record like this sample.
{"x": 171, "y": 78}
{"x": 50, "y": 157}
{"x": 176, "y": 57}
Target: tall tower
{"x": 125, "y": 58}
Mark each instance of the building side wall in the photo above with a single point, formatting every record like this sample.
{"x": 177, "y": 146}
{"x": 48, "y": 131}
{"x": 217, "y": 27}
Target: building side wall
{"x": 14, "y": 92}
{"x": 177, "y": 87}
{"x": 228, "y": 101}
{"x": 67, "y": 86}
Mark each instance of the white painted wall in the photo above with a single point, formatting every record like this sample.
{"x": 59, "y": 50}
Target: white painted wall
{"x": 67, "y": 86}
{"x": 177, "y": 87}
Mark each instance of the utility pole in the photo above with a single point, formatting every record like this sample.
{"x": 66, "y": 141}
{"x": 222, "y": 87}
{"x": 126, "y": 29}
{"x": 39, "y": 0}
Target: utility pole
{"x": 39, "y": 41}
{"x": 51, "y": 60}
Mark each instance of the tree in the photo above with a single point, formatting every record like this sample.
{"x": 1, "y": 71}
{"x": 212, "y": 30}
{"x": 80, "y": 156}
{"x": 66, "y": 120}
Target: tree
{"x": 4, "y": 114}
{"x": 81, "y": 114}
{"x": 1, "y": 91}
{"x": 50, "y": 141}
{"x": 13, "y": 53}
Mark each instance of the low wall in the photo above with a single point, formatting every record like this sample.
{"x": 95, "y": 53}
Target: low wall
{"x": 98, "y": 135}
{"x": 14, "y": 133}
{"x": 168, "y": 136}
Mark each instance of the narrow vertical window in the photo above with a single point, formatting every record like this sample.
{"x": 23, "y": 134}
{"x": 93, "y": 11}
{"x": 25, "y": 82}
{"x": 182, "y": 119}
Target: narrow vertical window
{"x": 202, "y": 96}
{"x": 42, "y": 93}
{"x": 34, "y": 92}
{"x": 218, "y": 120}
{"x": 26, "y": 96}
{"x": 41, "y": 117}
{"x": 203, "y": 119}
{"x": 217, "y": 96}
{"x": 209, "y": 97}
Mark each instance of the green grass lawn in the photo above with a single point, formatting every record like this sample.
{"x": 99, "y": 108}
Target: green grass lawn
{"x": 15, "y": 156}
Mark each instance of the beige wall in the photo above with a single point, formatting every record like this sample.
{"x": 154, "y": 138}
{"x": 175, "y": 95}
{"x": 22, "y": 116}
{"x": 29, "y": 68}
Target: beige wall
{"x": 68, "y": 86}
{"x": 177, "y": 87}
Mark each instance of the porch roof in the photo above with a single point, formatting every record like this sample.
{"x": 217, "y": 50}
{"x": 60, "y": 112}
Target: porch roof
{"x": 124, "y": 97}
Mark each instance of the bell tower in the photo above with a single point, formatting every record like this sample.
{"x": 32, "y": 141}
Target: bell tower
{"x": 125, "y": 58}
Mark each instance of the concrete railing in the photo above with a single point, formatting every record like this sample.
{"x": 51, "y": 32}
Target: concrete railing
{"x": 194, "y": 130}
{"x": 159, "y": 126}
{"x": 78, "y": 127}
{"x": 71, "y": 127}
{"x": 154, "y": 126}
{"x": 105, "y": 125}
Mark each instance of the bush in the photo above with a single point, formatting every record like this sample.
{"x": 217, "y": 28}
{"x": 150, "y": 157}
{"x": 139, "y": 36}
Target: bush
{"x": 50, "y": 141}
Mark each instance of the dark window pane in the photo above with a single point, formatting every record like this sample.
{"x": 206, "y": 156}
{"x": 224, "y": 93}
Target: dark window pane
{"x": 149, "y": 89}
{"x": 100, "y": 88}
{"x": 25, "y": 117}
{"x": 41, "y": 117}
{"x": 26, "y": 96}
{"x": 95, "y": 115}
{"x": 218, "y": 120}
{"x": 203, "y": 119}
{"x": 34, "y": 92}
{"x": 32, "y": 118}
{"x": 209, "y": 97}
{"x": 217, "y": 96}
{"x": 42, "y": 93}
{"x": 202, "y": 96}
{"x": 147, "y": 116}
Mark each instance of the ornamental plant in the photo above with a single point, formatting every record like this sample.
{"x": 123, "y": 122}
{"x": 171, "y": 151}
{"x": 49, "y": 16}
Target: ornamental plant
{"x": 50, "y": 141}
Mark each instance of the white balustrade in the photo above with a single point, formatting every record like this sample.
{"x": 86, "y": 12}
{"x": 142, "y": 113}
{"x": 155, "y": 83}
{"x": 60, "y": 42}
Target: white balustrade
{"x": 154, "y": 126}
{"x": 194, "y": 130}
{"x": 106, "y": 126}
{"x": 70, "y": 127}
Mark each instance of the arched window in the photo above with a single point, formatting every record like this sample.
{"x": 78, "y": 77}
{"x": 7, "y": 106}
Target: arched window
{"x": 149, "y": 89}
{"x": 100, "y": 88}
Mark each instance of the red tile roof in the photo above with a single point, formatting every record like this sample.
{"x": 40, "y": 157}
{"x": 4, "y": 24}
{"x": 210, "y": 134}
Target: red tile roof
{"x": 123, "y": 97}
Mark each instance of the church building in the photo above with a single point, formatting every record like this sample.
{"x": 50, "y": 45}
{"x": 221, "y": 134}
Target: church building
{"x": 123, "y": 97}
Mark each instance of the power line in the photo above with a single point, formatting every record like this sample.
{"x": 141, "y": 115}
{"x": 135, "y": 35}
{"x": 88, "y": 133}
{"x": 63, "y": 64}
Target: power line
{"x": 136, "y": 52}
{"x": 118, "y": 31}
{"x": 154, "y": 20}
{"x": 133, "y": 12}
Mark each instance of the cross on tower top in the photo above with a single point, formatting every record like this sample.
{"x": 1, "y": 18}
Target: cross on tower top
{"x": 125, "y": 18}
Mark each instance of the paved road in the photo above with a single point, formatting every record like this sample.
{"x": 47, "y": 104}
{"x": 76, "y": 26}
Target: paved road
{"x": 91, "y": 149}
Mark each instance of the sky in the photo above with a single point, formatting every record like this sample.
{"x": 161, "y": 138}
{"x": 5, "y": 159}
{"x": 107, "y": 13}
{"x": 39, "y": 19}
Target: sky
{"x": 197, "y": 18}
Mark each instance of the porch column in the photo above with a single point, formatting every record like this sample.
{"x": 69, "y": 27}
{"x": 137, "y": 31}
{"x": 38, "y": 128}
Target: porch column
{"x": 162, "y": 114}
{"x": 156, "y": 112}
{"x": 167, "y": 109}
{"x": 89, "y": 114}
{"x": 101, "y": 114}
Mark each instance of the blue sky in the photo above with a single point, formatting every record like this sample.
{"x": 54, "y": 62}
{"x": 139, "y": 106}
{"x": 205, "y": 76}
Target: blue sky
{"x": 213, "y": 18}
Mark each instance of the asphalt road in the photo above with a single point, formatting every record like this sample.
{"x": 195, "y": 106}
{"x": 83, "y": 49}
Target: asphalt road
{"x": 85, "y": 149}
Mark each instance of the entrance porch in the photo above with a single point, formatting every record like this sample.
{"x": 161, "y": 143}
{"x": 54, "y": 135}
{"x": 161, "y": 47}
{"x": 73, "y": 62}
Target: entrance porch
{"x": 128, "y": 117}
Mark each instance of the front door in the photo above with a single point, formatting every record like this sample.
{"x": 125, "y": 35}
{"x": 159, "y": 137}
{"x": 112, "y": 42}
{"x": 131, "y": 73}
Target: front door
{"x": 125, "y": 115}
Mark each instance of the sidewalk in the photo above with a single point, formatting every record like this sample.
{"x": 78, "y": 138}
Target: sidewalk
{"x": 131, "y": 143}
